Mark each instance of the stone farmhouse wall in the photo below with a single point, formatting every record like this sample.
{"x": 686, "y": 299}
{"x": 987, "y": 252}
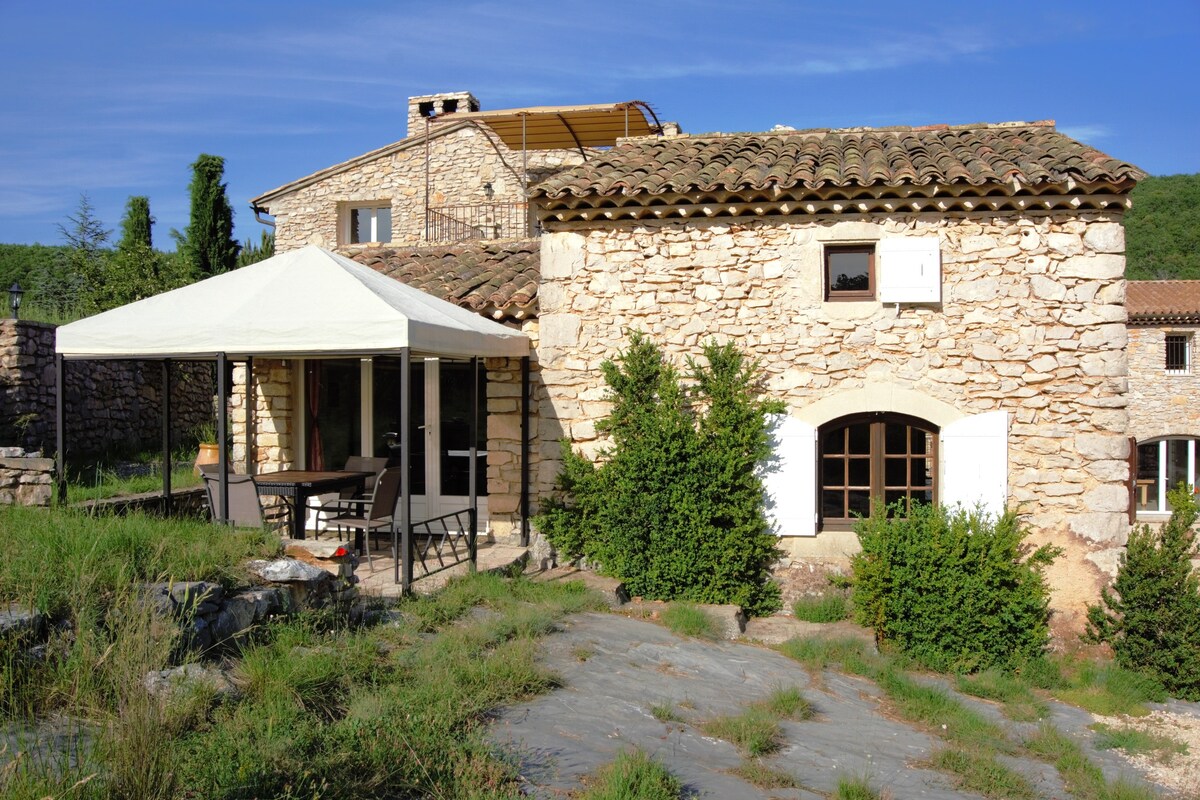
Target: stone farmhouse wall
{"x": 1032, "y": 322}
{"x": 1161, "y": 404}
{"x": 461, "y": 162}
{"x": 110, "y": 405}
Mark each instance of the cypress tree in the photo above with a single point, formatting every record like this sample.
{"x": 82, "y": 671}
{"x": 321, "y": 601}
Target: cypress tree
{"x": 208, "y": 242}
{"x": 135, "y": 227}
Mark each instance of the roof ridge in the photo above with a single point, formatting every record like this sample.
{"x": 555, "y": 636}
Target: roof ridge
{"x": 783, "y": 133}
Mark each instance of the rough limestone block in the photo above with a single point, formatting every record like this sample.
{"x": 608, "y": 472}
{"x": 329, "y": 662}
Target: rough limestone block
{"x": 731, "y": 619}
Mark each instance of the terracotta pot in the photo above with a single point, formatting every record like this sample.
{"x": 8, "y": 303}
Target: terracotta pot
{"x": 209, "y": 454}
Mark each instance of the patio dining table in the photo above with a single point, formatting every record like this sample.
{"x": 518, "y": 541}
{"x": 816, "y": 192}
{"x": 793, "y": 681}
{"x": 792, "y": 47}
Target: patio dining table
{"x": 300, "y": 484}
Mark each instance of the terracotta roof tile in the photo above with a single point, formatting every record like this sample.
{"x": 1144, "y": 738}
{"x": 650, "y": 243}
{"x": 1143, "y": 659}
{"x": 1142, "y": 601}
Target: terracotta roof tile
{"x": 497, "y": 278}
{"x": 1032, "y": 153}
{"x": 1163, "y": 301}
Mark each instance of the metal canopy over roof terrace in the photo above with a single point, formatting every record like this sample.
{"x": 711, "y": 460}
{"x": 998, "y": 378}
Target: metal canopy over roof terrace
{"x": 564, "y": 127}
{"x": 305, "y": 303}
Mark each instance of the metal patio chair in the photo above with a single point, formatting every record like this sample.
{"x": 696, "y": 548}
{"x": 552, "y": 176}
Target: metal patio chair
{"x": 245, "y": 505}
{"x": 371, "y": 515}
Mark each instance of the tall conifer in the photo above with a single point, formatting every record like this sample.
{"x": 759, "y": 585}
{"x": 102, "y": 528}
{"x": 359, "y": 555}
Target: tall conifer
{"x": 208, "y": 242}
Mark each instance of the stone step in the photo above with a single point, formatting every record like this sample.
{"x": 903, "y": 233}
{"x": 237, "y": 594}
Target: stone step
{"x": 780, "y": 628}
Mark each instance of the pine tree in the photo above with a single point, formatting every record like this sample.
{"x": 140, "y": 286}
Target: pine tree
{"x": 208, "y": 242}
{"x": 253, "y": 253}
{"x": 1152, "y": 618}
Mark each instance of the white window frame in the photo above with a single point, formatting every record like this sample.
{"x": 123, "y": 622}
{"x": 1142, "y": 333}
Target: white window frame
{"x": 1187, "y": 353}
{"x": 373, "y": 206}
{"x": 1160, "y": 481}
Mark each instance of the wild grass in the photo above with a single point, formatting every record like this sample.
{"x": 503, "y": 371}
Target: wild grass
{"x": 665, "y": 712}
{"x": 980, "y": 772}
{"x": 755, "y": 731}
{"x": 633, "y": 776}
{"x": 101, "y": 482}
{"x": 688, "y": 620}
{"x": 1016, "y": 697}
{"x": 325, "y": 709}
{"x": 1104, "y": 688}
{"x": 57, "y": 559}
{"x": 846, "y": 653}
{"x": 758, "y": 773}
{"x": 824, "y": 608}
{"x": 1082, "y": 778}
{"x": 855, "y": 789}
{"x": 1135, "y": 742}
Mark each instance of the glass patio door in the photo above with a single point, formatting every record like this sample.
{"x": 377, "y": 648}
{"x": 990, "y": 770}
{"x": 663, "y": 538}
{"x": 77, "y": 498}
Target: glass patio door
{"x": 352, "y": 406}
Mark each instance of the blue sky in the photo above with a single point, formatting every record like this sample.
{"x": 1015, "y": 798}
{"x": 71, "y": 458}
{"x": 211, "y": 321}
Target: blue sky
{"x": 115, "y": 99}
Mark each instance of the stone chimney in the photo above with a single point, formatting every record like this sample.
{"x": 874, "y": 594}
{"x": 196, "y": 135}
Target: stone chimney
{"x": 434, "y": 105}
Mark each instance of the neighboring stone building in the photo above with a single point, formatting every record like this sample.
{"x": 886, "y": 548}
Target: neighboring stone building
{"x": 942, "y": 310}
{"x": 1164, "y": 390}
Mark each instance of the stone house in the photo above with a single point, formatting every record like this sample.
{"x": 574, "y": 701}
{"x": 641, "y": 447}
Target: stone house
{"x": 1164, "y": 387}
{"x": 942, "y": 309}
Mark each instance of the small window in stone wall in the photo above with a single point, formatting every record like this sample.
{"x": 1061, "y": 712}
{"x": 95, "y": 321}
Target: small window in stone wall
{"x": 1178, "y": 353}
{"x": 369, "y": 224}
{"x": 850, "y": 272}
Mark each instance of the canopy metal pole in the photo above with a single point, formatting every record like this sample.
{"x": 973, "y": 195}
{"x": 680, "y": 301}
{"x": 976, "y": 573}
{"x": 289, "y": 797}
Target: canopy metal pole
{"x": 166, "y": 436}
{"x": 472, "y": 467}
{"x": 403, "y": 554}
{"x": 60, "y": 425}
{"x": 250, "y": 401}
{"x": 222, "y": 425}
{"x": 525, "y": 451}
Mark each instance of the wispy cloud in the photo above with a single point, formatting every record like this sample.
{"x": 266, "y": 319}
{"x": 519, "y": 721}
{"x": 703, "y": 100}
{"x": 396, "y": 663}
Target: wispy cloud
{"x": 1086, "y": 133}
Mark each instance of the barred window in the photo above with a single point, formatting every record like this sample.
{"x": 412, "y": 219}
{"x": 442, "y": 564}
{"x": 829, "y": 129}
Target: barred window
{"x": 1178, "y": 353}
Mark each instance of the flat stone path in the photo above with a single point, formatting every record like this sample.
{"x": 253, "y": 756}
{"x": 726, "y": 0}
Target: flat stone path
{"x": 615, "y": 670}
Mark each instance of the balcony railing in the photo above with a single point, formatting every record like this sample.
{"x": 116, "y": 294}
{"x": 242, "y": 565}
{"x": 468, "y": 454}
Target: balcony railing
{"x": 482, "y": 221}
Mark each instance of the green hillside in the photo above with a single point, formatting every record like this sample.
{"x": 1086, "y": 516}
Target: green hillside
{"x": 1162, "y": 230}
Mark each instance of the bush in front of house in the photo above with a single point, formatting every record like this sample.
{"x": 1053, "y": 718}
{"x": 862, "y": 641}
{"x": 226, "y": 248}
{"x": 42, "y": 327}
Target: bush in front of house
{"x": 675, "y": 506}
{"x": 950, "y": 587}
{"x": 1151, "y": 618}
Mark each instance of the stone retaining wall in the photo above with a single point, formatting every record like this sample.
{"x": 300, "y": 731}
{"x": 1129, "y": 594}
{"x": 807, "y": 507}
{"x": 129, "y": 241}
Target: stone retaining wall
{"x": 110, "y": 405}
{"x": 26, "y": 481}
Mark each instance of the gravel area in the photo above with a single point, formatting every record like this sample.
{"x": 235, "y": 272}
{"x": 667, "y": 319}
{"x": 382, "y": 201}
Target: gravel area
{"x": 1179, "y": 722}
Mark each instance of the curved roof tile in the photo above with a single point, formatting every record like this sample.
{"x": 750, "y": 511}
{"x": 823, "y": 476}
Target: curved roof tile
{"x": 1032, "y": 153}
{"x": 487, "y": 277}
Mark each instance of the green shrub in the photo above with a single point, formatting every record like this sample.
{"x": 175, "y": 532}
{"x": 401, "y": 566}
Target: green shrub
{"x": 675, "y": 507}
{"x": 949, "y": 588}
{"x": 1152, "y": 618}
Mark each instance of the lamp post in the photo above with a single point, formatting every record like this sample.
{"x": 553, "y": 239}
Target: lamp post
{"x": 14, "y": 298}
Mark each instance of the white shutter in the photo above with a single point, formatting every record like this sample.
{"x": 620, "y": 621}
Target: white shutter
{"x": 974, "y": 460}
{"x": 791, "y": 477}
{"x": 909, "y": 269}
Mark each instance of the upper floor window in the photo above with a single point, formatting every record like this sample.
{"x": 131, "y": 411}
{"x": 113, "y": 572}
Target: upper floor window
{"x": 850, "y": 272}
{"x": 890, "y": 457}
{"x": 1178, "y": 353}
{"x": 371, "y": 223}
{"x": 1162, "y": 466}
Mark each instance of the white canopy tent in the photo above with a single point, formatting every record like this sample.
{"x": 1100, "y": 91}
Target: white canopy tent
{"x": 305, "y": 303}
